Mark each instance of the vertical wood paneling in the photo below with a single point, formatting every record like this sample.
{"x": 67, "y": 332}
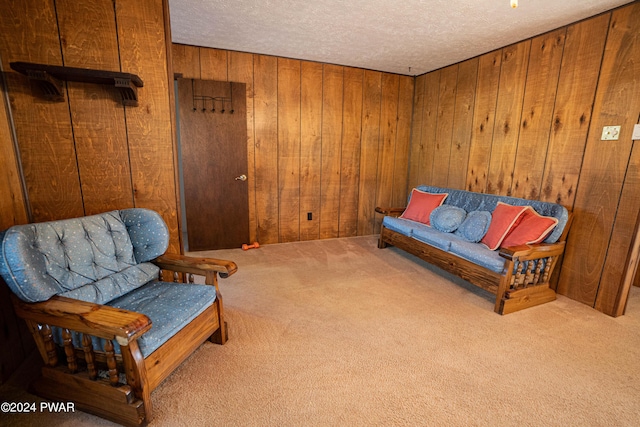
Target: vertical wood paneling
{"x": 372, "y": 91}
{"x": 415, "y": 153}
{"x": 12, "y": 204}
{"x": 581, "y": 59}
{"x": 632, "y": 274}
{"x": 614, "y": 291}
{"x": 171, "y": 80}
{"x": 331, "y": 127}
{"x": 598, "y": 245}
{"x": 444, "y": 127}
{"x": 94, "y": 35}
{"x": 350, "y": 156}
{"x": 484, "y": 115}
{"x": 88, "y": 42}
{"x": 535, "y": 126}
{"x": 97, "y": 115}
{"x": 29, "y": 32}
{"x": 533, "y": 136}
{"x": 289, "y": 149}
{"x": 12, "y": 212}
{"x": 186, "y": 61}
{"x": 311, "y": 149}
{"x": 403, "y": 137}
{"x": 462, "y": 123}
{"x": 513, "y": 76}
{"x": 241, "y": 70}
{"x": 266, "y": 149}
{"x": 387, "y": 143}
{"x": 429, "y": 127}
{"x": 213, "y": 64}
{"x": 141, "y": 36}
{"x": 46, "y": 145}
{"x": 332, "y": 99}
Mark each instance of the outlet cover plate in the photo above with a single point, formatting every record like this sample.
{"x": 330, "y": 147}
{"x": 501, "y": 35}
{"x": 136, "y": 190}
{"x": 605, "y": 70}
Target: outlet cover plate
{"x": 610, "y": 133}
{"x": 636, "y": 133}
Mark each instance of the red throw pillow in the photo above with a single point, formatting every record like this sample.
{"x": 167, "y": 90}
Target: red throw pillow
{"x": 533, "y": 228}
{"x": 503, "y": 219}
{"x": 421, "y": 204}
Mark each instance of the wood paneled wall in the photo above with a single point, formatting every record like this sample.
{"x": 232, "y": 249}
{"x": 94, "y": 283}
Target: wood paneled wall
{"x": 90, "y": 154}
{"x": 323, "y": 139}
{"x": 526, "y": 121}
{"x": 12, "y": 204}
{"x": 331, "y": 140}
{"x": 87, "y": 154}
{"x": 15, "y": 339}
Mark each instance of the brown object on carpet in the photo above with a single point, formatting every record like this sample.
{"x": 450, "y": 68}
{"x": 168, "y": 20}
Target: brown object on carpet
{"x": 337, "y": 332}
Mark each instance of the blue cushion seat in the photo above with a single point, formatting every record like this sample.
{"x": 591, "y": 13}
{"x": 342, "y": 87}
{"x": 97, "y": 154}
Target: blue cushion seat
{"x": 169, "y": 306}
{"x": 478, "y": 254}
{"x": 418, "y": 231}
{"x": 433, "y": 237}
{"x": 450, "y": 242}
{"x": 400, "y": 225}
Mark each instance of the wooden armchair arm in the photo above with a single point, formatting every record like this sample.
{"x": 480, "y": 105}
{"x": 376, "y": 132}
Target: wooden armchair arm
{"x": 88, "y": 318}
{"x": 529, "y": 252}
{"x": 193, "y": 265}
{"x": 527, "y": 271}
{"x": 390, "y": 211}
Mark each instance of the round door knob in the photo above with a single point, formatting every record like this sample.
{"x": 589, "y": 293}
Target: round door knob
{"x": 241, "y": 178}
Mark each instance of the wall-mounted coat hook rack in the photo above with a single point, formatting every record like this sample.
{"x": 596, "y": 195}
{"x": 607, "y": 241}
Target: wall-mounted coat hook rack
{"x": 222, "y": 101}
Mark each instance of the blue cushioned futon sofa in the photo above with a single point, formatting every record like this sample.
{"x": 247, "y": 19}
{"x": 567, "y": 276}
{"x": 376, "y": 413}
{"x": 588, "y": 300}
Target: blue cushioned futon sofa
{"x": 519, "y": 276}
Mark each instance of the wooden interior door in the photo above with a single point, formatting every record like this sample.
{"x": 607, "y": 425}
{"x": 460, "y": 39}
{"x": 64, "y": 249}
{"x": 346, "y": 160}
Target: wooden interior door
{"x": 213, "y": 144}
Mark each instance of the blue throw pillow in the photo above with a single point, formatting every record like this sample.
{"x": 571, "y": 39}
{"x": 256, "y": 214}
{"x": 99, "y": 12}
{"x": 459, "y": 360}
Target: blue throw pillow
{"x": 475, "y": 226}
{"x": 447, "y": 218}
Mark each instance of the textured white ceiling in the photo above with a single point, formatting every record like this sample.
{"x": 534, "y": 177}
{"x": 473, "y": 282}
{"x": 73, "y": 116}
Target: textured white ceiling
{"x": 406, "y": 37}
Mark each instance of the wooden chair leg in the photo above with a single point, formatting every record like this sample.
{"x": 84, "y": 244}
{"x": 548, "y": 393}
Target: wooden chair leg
{"x": 220, "y": 336}
{"x": 381, "y": 243}
{"x": 502, "y": 288}
{"x": 136, "y": 374}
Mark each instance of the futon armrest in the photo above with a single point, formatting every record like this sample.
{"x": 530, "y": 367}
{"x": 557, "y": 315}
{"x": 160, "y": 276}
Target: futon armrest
{"x": 88, "y": 318}
{"x": 390, "y": 211}
{"x": 202, "y": 266}
{"x": 534, "y": 251}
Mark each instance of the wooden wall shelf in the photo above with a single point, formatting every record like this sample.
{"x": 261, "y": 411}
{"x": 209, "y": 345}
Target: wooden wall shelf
{"x": 50, "y": 78}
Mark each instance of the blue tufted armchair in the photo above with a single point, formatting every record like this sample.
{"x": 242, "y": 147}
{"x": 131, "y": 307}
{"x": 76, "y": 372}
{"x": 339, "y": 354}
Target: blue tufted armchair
{"x": 108, "y": 326}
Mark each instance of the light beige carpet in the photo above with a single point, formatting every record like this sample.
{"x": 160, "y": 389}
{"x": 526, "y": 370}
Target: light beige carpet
{"x": 340, "y": 333}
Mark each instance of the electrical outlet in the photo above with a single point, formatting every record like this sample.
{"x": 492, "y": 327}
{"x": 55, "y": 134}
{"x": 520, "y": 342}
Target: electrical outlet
{"x": 610, "y": 133}
{"x": 636, "y": 133}
{"x": 309, "y": 216}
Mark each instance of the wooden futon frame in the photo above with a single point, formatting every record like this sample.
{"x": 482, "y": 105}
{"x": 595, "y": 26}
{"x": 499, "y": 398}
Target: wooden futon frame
{"x": 523, "y": 282}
